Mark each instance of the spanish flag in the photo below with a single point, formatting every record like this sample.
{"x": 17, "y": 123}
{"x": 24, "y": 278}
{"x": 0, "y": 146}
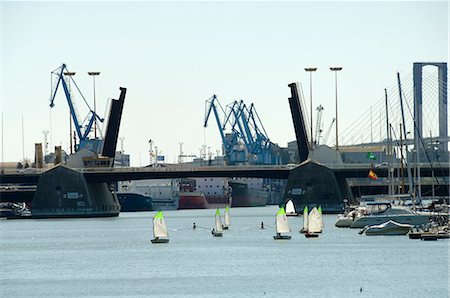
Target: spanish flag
{"x": 372, "y": 175}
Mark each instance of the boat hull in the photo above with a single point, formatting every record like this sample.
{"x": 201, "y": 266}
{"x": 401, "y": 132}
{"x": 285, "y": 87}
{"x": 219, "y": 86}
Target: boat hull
{"x": 131, "y": 202}
{"x": 414, "y": 220}
{"x": 243, "y": 196}
{"x": 281, "y": 237}
{"x": 311, "y": 235}
{"x": 160, "y": 240}
{"x": 192, "y": 200}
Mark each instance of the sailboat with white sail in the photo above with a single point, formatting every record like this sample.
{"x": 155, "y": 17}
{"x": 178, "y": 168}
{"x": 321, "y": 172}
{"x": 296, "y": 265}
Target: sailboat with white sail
{"x": 321, "y": 218}
{"x": 159, "y": 229}
{"x": 314, "y": 226}
{"x": 290, "y": 209}
{"x": 282, "y": 225}
{"x": 305, "y": 220}
{"x": 227, "y": 218}
{"x": 218, "y": 228}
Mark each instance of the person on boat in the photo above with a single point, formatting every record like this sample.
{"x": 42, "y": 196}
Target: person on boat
{"x": 262, "y": 225}
{"x": 194, "y": 226}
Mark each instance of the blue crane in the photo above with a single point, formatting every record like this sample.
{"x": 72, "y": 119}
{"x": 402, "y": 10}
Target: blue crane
{"x": 247, "y": 141}
{"x": 230, "y": 141}
{"x": 81, "y": 129}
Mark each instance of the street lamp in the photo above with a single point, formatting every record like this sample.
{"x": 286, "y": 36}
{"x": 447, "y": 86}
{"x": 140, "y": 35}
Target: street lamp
{"x": 311, "y": 70}
{"x": 70, "y": 75}
{"x": 94, "y": 74}
{"x": 336, "y": 69}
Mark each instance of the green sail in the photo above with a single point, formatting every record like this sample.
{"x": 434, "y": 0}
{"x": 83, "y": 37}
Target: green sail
{"x": 320, "y": 210}
{"x": 281, "y": 211}
{"x": 158, "y": 215}
{"x": 305, "y": 210}
{"x": 227, "y": 209}
{"x": 217, "y": 212}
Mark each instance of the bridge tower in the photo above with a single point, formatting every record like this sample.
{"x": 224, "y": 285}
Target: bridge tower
{"x": 418, "y": 93}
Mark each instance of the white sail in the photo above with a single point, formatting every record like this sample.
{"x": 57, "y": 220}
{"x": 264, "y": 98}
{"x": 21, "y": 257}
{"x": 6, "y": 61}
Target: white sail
{"x": 282, "y": 224}
{"x": 218, "y": 223}
{"x": 314, "y": 221}
{"x": 290, "y": 208}
{"x": 305, "y": 218}
{"x": 159, "y": 226}
{"x": 227, "y": 217}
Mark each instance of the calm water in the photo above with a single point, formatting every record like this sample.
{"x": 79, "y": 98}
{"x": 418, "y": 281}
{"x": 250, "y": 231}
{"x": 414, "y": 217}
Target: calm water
{"x": 114, "y": 257}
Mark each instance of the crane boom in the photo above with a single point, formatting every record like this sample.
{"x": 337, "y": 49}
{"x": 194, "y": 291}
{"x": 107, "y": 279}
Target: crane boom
{"x": 81, "y": 129}
{"x": 318, "y": 125}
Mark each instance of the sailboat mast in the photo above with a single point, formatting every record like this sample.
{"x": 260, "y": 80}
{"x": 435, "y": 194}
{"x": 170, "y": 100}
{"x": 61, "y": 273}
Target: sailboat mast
{"x": 388, "y": 145}
{"x": 401, "y": 160}
{"x": 408, "y": 166}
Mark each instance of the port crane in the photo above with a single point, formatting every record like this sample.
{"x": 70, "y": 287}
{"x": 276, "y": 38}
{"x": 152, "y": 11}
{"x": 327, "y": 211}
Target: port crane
{"x": 247, "y": 141}
{"x": 84, "y": 127}
{"x": 231, "y": 142}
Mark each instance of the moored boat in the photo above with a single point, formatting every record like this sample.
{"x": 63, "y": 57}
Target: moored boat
{"x": 247, "y": 194}
{"x": 381, "y": 212}
{"x": 389, "y": 228}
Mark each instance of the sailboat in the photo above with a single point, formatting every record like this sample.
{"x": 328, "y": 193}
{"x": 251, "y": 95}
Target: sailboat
{"x": 282, "y": 225}
{"x": 321, "y": 218}
{"x": 227, "y": 218}
{"x": 159, "y": 228}
{"x": 290, "y": 209}
{"x": 314, "y": 224}
{"x": 217, "y": 231}
{"x": 305, "y": 220}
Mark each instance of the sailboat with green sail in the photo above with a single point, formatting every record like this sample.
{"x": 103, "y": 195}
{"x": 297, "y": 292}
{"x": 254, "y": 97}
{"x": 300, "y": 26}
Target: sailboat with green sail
{"x": 159, "y": 229}
{"x": 282, "y": 225}
{"x": 227, "y": 218}
{"x": 305, "y": 220}
{"x": 218, "y": 228}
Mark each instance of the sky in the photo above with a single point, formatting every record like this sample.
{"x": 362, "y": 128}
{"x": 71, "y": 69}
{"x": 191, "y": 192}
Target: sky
{"x": 173, "y": 56}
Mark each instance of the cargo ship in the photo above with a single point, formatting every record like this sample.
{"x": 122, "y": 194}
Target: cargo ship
{"x": 164, "y": 193}
{"x": 248, "y": 192}
{"x": 130, "y": 201}
{"x": 189, "y": 197}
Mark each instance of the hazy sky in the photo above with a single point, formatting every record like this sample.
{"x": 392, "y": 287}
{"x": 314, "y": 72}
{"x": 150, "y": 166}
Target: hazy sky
{"x": 173, "y": 56}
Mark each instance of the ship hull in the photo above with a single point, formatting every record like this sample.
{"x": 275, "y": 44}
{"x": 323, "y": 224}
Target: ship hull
{"x": 131, "y": 202}
{"x": 243, "y": 196}
{"x": 192, "y": 200}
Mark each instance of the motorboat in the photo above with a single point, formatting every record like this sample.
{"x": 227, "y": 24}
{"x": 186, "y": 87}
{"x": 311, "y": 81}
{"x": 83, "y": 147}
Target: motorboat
{"x": 388, "y": 228}
{"x": 346, "y": 220}
{"x": 381, "y": 212}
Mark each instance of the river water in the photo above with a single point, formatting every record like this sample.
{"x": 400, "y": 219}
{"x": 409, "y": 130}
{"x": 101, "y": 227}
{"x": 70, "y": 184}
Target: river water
{"x": 107, "y": 257}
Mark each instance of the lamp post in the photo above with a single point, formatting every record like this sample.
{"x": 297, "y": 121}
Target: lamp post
{"x": 311, "y": 70}
{"x": 94, "y": 74}
{"x": 70, "y": 75}
{"x": 336, "y": 69}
